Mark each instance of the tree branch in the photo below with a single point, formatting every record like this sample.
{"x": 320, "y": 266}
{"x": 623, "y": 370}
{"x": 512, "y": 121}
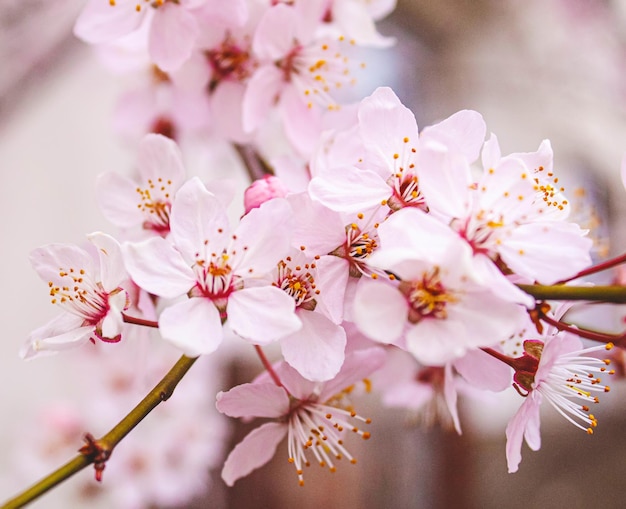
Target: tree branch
{"x": 95, "y": 450}
{"x": 610, "y": 294}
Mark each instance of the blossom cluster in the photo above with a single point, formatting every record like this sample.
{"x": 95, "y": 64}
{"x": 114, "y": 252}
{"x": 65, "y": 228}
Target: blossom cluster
{"x": 370, "y": 250}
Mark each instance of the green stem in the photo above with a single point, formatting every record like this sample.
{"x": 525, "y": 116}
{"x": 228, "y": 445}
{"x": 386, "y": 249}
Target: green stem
{"x": 611, "y": 294}
{"x": 161, "y": 392}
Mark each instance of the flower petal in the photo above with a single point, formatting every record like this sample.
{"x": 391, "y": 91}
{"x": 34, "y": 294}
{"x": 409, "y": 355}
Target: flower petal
{"x": 158, "y": 268}
{"x": 193, "y": 325}
{"x": 254, "y": 451}
{"x": 380, "y": 311}
{"x": 198, "y": 217}
{"x": 316, "y": 350}
{"x": 262, "y": 314}
{"x": 172, "y": 36}
{"x": 112, "y": 271}
{"x": 254, "y": 400}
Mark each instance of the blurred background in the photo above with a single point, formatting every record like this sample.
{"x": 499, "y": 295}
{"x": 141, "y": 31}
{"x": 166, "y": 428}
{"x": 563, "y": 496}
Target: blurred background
{"x": 536, "y": 69}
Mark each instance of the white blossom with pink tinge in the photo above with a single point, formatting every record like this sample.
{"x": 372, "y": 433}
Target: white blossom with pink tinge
{"x": 511, "y": 215}
{"x": 558, "y": 369}
{"x": 379, "y": 167}
{"x": 433, "y": 304}
{"x": 219, "y": 272}
{"x": 91, "y": 295}
{"x": 174, "y": 25}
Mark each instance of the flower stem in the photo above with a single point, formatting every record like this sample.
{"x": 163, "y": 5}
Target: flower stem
{"x": 616, "y": 339}
{"x": 161, "y": 392}
{"x": 612, "y": 294}
{"x": 255, "y": 165}
{"x": 267, "y": 366}
{"x": 139, "y": 321}
{"x": 608, "y": 264}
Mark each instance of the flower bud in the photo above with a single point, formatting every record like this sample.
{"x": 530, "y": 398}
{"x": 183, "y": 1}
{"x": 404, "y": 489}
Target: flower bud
{"x": 263, "y": 190}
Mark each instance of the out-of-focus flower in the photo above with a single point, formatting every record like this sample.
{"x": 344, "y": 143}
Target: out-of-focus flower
{"x": 148, "y": 202}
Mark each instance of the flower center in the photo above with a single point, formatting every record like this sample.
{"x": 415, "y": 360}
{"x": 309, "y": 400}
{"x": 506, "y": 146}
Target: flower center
{"x": 360, "y": 243}
{"x": 317, "y": 69}
{"x": 298, "y": 282}
{"x": 427, "y": 297}
{"x": 229, "y": 62}
{"x": 155, "y": 203}
{"x": 81, "y": 296}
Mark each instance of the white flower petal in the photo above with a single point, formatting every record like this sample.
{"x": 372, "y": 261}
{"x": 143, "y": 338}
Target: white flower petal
{"x": 316, "y": 350}
{"x": 262, "y": 314}
{"x": 193, "y": 325}
{"x": 158, "y": 268}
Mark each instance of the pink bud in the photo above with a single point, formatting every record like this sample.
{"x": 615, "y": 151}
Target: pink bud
{"x": 263, "y": 190}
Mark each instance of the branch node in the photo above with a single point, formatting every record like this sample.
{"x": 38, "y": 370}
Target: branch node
{"x": 97, "y": 452}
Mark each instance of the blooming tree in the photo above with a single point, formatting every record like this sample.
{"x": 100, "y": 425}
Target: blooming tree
{"x": 422, "y": 264}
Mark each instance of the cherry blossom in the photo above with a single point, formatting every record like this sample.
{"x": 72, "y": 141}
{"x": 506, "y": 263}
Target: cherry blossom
{"x": 219, "y": 272}
{"x": 387, "y": 155}
{"x": 148, "y": 202}
{"x": 558, "y": 369}
{"x": 432, "y": 304}
{"x": 311, "y": 415}
{"x": 505, "y": 217}
{"x": 92, "y": 297}
{"x": 317, "y": 349}
{"x": 297, "y": 68}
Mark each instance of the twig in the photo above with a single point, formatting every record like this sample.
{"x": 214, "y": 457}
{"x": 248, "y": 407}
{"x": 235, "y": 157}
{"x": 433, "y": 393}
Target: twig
{"x": 98, "y": 451}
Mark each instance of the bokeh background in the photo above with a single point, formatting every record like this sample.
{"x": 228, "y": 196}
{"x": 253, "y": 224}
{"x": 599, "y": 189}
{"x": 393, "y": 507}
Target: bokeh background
{"x": 536, "y": 69}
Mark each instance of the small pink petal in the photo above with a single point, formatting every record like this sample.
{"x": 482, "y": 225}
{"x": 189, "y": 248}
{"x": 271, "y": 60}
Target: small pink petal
{"x": 118, "y": 199}
{"x": 462, "y": 133}
{"x": 101, "y": 22}
{"x": 275, "y": 33}
{"x": 348, "y": 189}
{"x": 380, "y": 311}
{"x": 316, "y": 350}
{"x": 254, "y": 400}
{"x": 160, "y": 157}
{"x": 254, "y": 451}
{"x": 112, "y": 271}
{"x": 261, "y": 96}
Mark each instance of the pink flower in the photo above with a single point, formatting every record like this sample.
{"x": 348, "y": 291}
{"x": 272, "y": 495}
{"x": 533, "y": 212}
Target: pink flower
{"x": 311, "y": 415}
{"x": 92, "y": 298}
{"x": 148, "y": 201}
{"x": 300, "y": 71}
{"x": 317, "y": 349}
{"x": 511, "y": 216}
{"x": 558, "y": 369}
{"x": 219, "y": 272}
{"x": 386, "y": 153}
{"x": 439, "y": 309}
